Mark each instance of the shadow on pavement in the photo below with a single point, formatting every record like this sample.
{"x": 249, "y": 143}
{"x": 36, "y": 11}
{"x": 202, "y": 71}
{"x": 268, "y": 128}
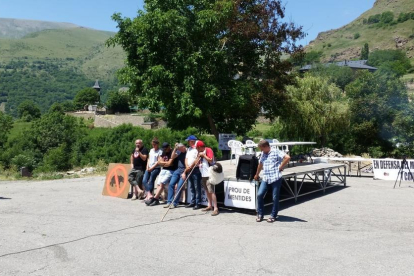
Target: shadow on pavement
{"x": 289, "y": 219}
{"x": 4, "y": 197}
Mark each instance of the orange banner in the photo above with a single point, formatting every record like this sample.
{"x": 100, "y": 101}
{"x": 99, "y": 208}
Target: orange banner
{"x": 116, "y": 183}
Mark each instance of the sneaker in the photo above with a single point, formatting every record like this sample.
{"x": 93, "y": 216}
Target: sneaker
{"x": 155, "y": 202}
{"x": 168, "y": 205}
{"x": 134, "y": 197}
{"x": 149, "y": 201}
{"x": 173, "y": 206}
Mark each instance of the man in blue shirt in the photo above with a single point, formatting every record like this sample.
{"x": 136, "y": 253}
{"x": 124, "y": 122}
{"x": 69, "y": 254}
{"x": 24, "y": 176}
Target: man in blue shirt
{"x": 272, "y": 162}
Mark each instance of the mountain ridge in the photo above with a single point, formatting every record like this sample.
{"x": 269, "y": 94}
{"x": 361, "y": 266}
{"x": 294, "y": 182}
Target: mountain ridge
{"x": 346, "y": 42}
{"x": 55, "y": 63}
{"x": 18, "y": 28}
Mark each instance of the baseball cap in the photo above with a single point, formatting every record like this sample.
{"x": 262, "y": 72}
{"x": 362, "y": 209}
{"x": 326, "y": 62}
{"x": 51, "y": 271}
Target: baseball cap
{"x": 165, "y": 145}
{"x": 191, "y": 137}
{"x": 200, "y": 144}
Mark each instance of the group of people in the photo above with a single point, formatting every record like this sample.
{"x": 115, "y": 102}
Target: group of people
{"x": 172, "y": 168}
{"x": 176, "y": 166}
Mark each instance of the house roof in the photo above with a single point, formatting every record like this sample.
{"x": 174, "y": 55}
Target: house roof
{"x": 96, "y": 85}
{"x": 353, "y": 64}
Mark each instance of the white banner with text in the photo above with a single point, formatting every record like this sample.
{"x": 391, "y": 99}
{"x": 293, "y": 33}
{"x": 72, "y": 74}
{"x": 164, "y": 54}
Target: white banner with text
{"x": 241, "y": 194}
{"x": 387, "y": 169}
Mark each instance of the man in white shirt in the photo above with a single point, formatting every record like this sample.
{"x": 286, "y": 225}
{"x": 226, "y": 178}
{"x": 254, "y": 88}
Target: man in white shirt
{"x": 194, "y": 178}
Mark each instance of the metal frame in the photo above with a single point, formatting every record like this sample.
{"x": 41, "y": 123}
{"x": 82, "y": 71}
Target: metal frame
{"x": 325, "y": 175}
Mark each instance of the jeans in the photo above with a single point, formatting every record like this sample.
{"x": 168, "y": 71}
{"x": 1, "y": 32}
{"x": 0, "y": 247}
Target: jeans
{"x": 149, "y": 179}
{"x": 194, "y": 180}
{"x": 275, "y": 195}
{"x": 176, "y": 178}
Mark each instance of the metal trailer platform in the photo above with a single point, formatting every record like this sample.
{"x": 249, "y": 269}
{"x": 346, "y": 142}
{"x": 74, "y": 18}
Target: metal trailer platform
{"x": 297, "y": 181}
{"x": 323, "y": 175}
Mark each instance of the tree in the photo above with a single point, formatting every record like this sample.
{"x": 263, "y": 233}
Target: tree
{"x": 6, "y": 124}
{"x": 85, "y": 97}
{"x": 365, "y": 52}
{"x": 341, "y": 76}
{"x": 374, "y": 19}
{"x": 310, "y": 57}
{"x": 387, "y": 17}
{"x": 208, "y": 63}
{"x": 393, "y": 62}
{"x": 28, "y": 111}
{"x": 68, "y": 106}
{"x": 118, "y": 102}
{"x": 375, "y": 100}
{"x": 317, "y": 109}
{"x": 55, "y": 129}
{"x": 57, "y": 107}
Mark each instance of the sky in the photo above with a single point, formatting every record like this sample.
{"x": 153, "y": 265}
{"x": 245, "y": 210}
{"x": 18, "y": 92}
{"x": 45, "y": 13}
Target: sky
{"x": 314, "y": 15}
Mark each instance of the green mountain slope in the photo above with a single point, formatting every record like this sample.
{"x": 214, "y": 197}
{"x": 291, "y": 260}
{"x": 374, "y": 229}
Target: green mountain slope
{"x": 346, "y": 42}
{"x": 18, "y": 28}
{"x": 55, "y": 63}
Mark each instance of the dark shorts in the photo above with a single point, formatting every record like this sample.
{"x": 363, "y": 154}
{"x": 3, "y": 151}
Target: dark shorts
{"x": 135, "y": 177}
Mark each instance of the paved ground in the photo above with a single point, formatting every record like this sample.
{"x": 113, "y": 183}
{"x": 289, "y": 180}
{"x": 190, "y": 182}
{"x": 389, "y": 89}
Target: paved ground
{"x": 66, "y": 227}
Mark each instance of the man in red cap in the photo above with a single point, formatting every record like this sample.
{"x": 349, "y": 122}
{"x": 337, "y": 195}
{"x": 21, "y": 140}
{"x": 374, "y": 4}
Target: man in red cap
{"x": 206, "y": 156}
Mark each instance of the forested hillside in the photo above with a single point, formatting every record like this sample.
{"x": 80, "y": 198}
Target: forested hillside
{"x": 388, "y": 25}
{"x": 52, "y": 65}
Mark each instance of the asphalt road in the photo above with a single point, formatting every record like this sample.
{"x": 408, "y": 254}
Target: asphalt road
{"x": 66, "y": 227}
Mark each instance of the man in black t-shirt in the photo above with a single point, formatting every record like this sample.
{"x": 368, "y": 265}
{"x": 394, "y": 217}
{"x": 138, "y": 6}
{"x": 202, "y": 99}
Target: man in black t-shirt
{"x": 166, "y": 160}
{"x": 138, "y": 164}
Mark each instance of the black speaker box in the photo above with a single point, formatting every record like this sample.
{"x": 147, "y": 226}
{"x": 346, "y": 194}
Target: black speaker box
{"x": 247, "y": 167}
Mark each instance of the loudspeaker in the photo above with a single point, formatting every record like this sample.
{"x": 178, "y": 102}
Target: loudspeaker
{"x": 247, "y": 167}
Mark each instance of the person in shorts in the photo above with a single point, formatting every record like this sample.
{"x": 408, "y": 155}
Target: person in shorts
{"x": 166, "y": 160}
{"x": 206, "y": 156}
{"x": 138, "y": 163}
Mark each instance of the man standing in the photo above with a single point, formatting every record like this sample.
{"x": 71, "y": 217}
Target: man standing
{"x": 166, "y": 160}
{"x": 194, "y": 178}
{"x": 272, "y": 161}
{"x": 179, "y": 161}
{"x": 206, "y": 159}
{"x": 138, "y": 163}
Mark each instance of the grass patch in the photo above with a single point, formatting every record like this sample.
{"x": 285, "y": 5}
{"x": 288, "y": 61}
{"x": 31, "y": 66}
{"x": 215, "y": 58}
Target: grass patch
{"x": 262, "y": 127}
{"x": 408, "y": 77}
{"x": 18, "y": 128}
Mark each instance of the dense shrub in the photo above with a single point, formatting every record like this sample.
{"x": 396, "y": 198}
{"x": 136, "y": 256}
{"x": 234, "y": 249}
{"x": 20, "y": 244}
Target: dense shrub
{"x": 393, "y": 62}
{"x": 118, "y": 102}
{"x": 374, "y": 19}
{"x": 84, "y": 97}
{"x": 24, "y": 160}
{"x": 28, "y": 111}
